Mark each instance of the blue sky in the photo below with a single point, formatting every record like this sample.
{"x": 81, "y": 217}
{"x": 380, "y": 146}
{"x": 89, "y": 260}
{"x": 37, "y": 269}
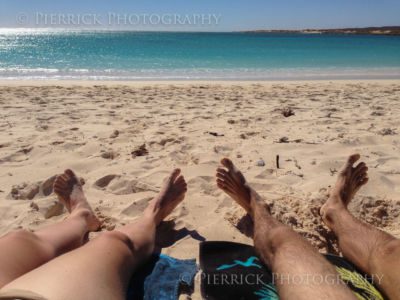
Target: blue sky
{"x": 234, "y": 15}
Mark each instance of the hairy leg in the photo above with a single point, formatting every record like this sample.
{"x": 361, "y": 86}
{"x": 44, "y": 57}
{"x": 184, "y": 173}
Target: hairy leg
{"x": 22, "y": 251}
{"x": 103, "y": 267}
{"x": 375, "y": 252}
{"x": 300, "y": 272}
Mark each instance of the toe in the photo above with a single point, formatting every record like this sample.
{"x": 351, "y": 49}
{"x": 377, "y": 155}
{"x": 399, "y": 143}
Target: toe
{"x": 223, "y": 186}
{"x": 363, "y": 181}
{"x": 359, "y": 167}
{"x": 347, "y": 167}
{"x": 59, "y": 186}
{"x": 180, "y": 179}
{"x": 226, "y": 162}
{"x": 60, "y": 183}
{"x": 221, "y": 173}
{"x": 228, "y": 179}
{"x": 70, "y": 173}
{"x": 361, "y": 172}
{"x": 63, "y": 177}
{"x": 221, "y": 170}
{"x": 226, "y": 184}
{"x": 352, "y": 159}
{"x": 73, "y": 179}
{"x": 361, "y": 175}
{"x": 181, "y": 184}
{"x": 234, "y": 174}
{"x": 175, "y": 173}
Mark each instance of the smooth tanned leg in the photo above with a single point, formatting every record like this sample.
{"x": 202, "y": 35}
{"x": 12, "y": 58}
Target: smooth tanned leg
{"x": 298, "y": 267}
{"x": 375, "y": 252}
{"x": 22, "y": 251}
{"x": 103, "y": 267}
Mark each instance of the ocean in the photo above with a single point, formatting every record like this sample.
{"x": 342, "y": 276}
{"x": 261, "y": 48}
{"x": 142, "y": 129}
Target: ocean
{"x": 112, "y": 55}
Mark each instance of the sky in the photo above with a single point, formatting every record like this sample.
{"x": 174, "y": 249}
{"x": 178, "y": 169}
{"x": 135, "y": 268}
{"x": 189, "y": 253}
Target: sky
{"x": 199, "y": 15}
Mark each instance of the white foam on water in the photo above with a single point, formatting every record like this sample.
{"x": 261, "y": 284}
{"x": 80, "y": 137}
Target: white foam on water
{"x": 200, "y": 74}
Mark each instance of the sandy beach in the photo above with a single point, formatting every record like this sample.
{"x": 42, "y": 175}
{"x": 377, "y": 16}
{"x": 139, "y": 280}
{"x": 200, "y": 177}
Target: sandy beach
{"x": 124, "y": 138}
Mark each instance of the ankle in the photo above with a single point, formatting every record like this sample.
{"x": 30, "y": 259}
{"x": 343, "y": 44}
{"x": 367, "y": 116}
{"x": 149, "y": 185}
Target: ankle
{"x": 151, "y": 213}
{"x": 334, "y": 202}
{"x": 77, "y": 205}
{"x": 330, "y": 212}
{"x": 252, "y": 208}
{"x": 82, "y": 212}
{"x": 258, "y": 207}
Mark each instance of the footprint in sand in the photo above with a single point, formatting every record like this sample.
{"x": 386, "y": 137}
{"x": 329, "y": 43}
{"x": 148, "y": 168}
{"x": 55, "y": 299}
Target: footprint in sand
{"x": 110, "y": 154}
{"x": 24, "y": 191}
{"x": 119, "y": 185}
{"x": 18, "y": 156}
{"x": 205, "y": 184}
{"x": 105, "y": 181}
{"x": 136, "y": 208}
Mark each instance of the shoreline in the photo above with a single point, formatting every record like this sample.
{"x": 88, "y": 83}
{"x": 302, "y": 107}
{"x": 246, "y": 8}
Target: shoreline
{"x": 204, "y": 74}
{"x": 221, "y": 75}
{"x": 47, "y": 82}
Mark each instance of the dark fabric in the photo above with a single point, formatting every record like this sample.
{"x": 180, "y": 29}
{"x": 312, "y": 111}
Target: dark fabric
{"x": 234, "y": 271}
{"x": 161, "y": 278}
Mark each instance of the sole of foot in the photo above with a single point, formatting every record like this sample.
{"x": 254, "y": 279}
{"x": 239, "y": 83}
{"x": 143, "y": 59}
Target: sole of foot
{"x": 232, "y": 182}
{"x": 350, "y": 179}
{"x": 171, "y": 195}
{"x": 69, "y": 190}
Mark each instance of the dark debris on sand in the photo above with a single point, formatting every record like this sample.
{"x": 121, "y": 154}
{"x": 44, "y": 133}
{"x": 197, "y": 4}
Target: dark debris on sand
{"x": 216, "y": 134}
{"x": 140, "y": 151}
{"x": 287, "y": 112}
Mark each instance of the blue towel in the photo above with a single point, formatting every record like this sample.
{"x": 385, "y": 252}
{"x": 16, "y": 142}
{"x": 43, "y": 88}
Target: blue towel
{"x": 161, "y": 277}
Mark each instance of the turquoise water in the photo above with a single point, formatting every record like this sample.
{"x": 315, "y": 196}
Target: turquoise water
{"x": 55, "y": 54}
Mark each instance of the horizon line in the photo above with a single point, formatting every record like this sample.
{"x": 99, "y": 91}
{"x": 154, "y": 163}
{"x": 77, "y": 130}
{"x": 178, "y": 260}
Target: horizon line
{"x": 190, "y": 31}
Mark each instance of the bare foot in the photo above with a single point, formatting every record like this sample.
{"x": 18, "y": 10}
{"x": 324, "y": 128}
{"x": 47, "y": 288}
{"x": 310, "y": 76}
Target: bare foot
{"x": 70, "y": 193}
{"x": 350, "y": 180}
{"x": 171, "y": 194}
{"x": 232, "y": 182}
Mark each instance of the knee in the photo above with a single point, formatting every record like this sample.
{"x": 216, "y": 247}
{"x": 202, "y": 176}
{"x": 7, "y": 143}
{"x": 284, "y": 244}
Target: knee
{"x": 22, "y": 235}
{"x": 119, "y": 239}
{"x": 29, "y": 240}
{"x": 115, "y": 238}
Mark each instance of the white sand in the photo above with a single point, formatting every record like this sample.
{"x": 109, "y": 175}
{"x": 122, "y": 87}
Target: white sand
{"x": 45, "y": 129}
